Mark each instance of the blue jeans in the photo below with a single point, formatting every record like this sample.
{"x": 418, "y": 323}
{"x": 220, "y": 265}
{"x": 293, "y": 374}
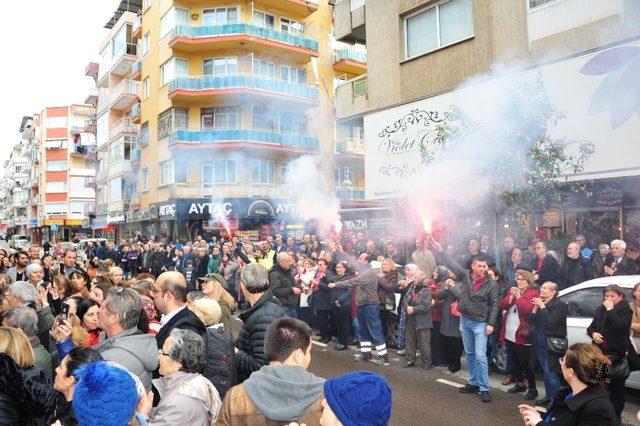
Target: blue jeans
{"x": 475, "y": 345}
{"x": 290, "y": 312}
{"x": 551, "y": 379}
{"x": 370, "y": 325}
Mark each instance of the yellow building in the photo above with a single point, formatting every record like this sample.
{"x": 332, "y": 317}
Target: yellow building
{"x": 230, "y": 93}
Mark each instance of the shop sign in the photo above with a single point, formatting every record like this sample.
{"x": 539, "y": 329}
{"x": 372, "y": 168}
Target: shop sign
{"x": 33, "y": 223}
{"x": 116, "y": 218}
{"x": 49, "y": 222}
{"x": 211, "y": 209}
{"x": 163, "y": 211}
{"x": 73, "y": 222}
{"x": 609, "y": 197}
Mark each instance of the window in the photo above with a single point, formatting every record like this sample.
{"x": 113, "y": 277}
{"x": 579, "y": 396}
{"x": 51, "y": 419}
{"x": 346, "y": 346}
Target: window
{"x": 536, "y": 3}
{"x": 146, "y": 40}
{"x": 55, "y": 208}
{"x": 181, "y": 170}
{"x": 263, "y": 171}
{"x": 56, "y": 165}
{"x": 293, "y": 74}
{"x": 102, "y": 129}
{"x": 145, "y": 179}
{"x": 143, "y": 137}
{"x": 56, "y": 186}
{"x": 115, "y": 189}
{"x": 220, "y": 66}
{"x": 174, "y": 17}
{"x": 583, "y": 303}
{"x": 172, "y": 119}
{"x": 264, "y": 68}
{"x": 438, "y": 26}
{"x": 292, "y": 27}
{"x": 284, "y": 172}
{"x": 291, "y": 122}
{"x": 76, "y": 183}
{"x": 225, "y": 171}
{"x": 220, "y": 16}
{"x": 55, "y": 144}
{"x": 265, "y": 119}
{"x": 263, "y": 19}
{"x": 56, "y": 122}
{"x": 220, "y": 118}
{"x": 344, "y": 176}
{"x": 173, "y": 68}
{"x": 146, "y": 88}
{"x": 166, "y": 173}
{"x": 207, "y": 174}
{"x": 76, "y": 207}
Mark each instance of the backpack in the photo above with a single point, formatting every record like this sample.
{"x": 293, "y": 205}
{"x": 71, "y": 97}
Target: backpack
{"x": 219, "y": 367}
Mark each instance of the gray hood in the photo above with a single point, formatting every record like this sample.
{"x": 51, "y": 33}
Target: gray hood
{"x": 136, "y": 344}
{"x": 283, "y": 393}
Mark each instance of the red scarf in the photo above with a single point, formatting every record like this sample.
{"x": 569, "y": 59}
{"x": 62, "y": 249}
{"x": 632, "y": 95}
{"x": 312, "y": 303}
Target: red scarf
{"x": 477, "y": 283}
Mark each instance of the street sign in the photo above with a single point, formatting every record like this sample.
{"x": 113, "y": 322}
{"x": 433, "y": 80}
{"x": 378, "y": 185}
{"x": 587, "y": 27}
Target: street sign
{"x": 54, "y": 227}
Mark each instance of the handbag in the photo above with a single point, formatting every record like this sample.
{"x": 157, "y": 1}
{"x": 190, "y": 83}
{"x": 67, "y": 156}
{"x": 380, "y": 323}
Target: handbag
{"x": 557, "y": 345}
{"x": 525, "y": 330}
{"x": 453, "y": 308}
{"x": 389, "y": 302}
{"x": 619, "y": 368}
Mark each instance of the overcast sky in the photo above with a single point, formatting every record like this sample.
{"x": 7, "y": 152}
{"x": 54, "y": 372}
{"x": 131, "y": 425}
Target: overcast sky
{"x": 46, "y": 45}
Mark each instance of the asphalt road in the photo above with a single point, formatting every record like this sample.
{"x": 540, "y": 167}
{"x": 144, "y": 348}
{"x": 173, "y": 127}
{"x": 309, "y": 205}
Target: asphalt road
{"x": 431, "y": 397}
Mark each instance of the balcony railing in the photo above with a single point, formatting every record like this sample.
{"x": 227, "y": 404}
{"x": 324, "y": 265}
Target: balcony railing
{"x": 243, "y": 135}
{"x": 102, "y": 209}
{"x": 189, "y": 31}
{"x": 124, "y": 125}
{"x": 350, "y": 194}
{"x": 90, "y": 181}
{"x": 135, "y": 110}
{"x": 247, "y": 81}
{"x": 135, "y": 199}
{"x": 89, "y": 209}
{"x": 137, "y": 24}
{"x": 137, "y": 67}
{"x": 135, "y": 156}
{"x": 350, "y": 146}
{"x": 122, "y": 166}
{"x": 351, "y": 55}
{"x": 125, "y": 87}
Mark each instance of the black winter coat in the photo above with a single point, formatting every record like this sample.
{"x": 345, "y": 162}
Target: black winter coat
{"x": 219, "y": 368}
{"x": 281, "y": 283}
{"x": 575, "y": 271}
{"x": 615, "y": 327}
{"x": 552, "y": 320}
{"x": 591, "y": 407}
{"x": 550, "y": 270}
{"x": 27, "y": 399}
{"x": 250, "y": 342}
{"x": 343, "y": 295}
{"x": 321, "y": 298}
{"x": 184, "y": 320}
{"x": 626, "y": 266}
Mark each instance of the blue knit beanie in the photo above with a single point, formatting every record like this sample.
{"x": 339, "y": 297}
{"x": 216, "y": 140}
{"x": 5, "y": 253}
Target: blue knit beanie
{"x": 105, "y": 395}
{"x": 361, "y": 398}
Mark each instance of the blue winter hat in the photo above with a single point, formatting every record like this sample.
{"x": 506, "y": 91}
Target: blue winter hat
{"x": 361, "y": 398}
{"x": 105, "y": 395}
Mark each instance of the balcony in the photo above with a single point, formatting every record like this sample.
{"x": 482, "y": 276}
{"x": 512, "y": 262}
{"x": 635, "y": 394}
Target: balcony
{"x": 90, "y": 125}
{"x": 242, "y": 138}
{"x": 208, "y": 87}
{"x": 89, "y": 209}
{"x": 21, "y": 202}
{"x": 118, "y": 206}
{"x": 101, "y": 175}
{"x": 295, "y": 7}
{"x": 352, "y": 97}
{"x": 135, "y": 158}
{"x": 101, "y": 209}
{"x": 349, "y": 21}
{"x": 82, "y": 150}
{"x": 135, "y": 200}
{"x": 349, "y": 61}
{"x": 242, "y": 35}
{"x": 350, "y": 194}
{"x": 136, "y": 70}
{"x": 92, "y": 97}
{"x": 123, "y": 95}
{"x": 351, "y": 146}
{"x": 123, "y": 126}
{"x": 90, "y": 182}
{"x": 136, "y": 30}
{"x": 119, "y": 64}
{"x": 135, "y": 113}
{"x": 562, "y": 15}
{"x": 35, "y": 199}
{"x": 120, "y": 167}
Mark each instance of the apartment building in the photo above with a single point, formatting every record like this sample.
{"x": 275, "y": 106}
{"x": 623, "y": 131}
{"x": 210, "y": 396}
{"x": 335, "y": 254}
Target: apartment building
{"x": 15, "y": 190}
{"x": 230, "y": 94}
{"x": 61, "y": 164}
{"x": 421, "y": 52}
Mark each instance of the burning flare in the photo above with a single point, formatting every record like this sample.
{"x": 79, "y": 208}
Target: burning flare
{"x": 426, "y": 225}
{"x": 337, "y": 226}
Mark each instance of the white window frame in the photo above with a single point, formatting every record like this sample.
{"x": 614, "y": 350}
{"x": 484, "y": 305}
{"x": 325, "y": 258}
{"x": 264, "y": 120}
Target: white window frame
{"x": 56, "y": 187}
{"x": 167, "y": 173}
{"x": 265, "y": 14}
{"x": 173, "y": 10}
{"x": 171, "y": 63}
{"x": 291, "y": 23}
{"x": 228, "y": 179}
{"x": 290, "y": 70}
{"x": 145, "y": 179}
{"x": 146, "y": 43}
{"x": 270, "y": 66}
{"x": 228, "y": 60}
{"x": 207, "y": 164}
{"x": 56, "y": 162}
{"x": 236, "y": 7}
{"x": 440, "y": 46}
{"x": 270, "y": 164}
{"x": 146, "y": 88}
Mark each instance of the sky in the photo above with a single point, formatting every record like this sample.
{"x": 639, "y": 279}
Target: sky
{"x": 46, "y": 46}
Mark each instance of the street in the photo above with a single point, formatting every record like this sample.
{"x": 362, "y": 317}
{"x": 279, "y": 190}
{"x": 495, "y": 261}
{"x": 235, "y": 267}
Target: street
{"x": 431, "y": 397}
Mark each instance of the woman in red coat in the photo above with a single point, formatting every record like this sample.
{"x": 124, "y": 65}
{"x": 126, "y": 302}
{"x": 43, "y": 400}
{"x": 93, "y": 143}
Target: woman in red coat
{"x": 518, "y": 304}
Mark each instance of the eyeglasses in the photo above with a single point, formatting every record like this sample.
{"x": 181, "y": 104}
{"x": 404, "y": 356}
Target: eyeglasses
{"x": 162, "y": 353}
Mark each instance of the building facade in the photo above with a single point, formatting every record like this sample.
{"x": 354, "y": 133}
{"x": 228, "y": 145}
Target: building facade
{"x": 422, "y": 54}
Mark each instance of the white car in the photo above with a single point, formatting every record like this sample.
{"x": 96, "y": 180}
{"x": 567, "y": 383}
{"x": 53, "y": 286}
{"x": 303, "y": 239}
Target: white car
{"x": 21, "y": 244}
{"x": 584, "y": 299}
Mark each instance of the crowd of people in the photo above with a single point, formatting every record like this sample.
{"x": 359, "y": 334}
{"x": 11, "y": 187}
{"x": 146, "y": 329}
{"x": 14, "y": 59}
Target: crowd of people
{"x": 151, "y": 321}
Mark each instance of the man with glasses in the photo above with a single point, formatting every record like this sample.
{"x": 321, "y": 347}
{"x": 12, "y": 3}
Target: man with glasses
{"x": 169, "y": 294}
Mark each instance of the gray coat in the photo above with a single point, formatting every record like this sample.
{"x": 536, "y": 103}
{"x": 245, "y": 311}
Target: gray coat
{"x": 366, "y": 285}
{"x": 136, "y": 351}
{"x": 185, "y": 399}
{"x": 449, "y": 325}
{"x": 420, "y": 299}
